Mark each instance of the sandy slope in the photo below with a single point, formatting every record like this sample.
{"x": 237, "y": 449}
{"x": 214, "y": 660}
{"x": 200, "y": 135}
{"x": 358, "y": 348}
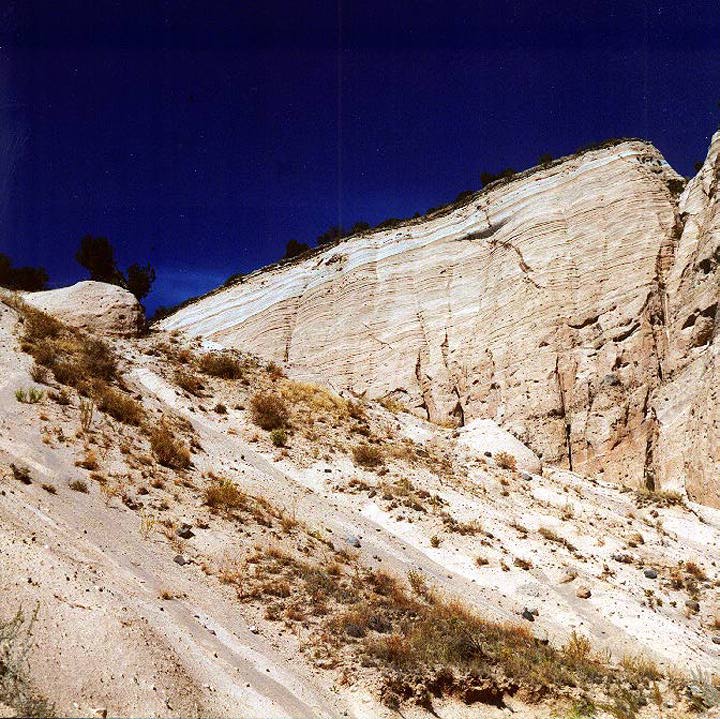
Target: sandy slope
{"x": 106, "y": 640}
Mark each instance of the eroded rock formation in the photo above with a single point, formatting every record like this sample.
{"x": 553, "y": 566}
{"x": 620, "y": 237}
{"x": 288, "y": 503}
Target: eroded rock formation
{"x": 94, "y": 306}
{"x": 574, "y": 305}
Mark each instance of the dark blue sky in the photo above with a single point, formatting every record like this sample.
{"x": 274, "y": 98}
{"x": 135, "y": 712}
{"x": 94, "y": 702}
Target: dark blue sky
{"x": 202, "y": 136}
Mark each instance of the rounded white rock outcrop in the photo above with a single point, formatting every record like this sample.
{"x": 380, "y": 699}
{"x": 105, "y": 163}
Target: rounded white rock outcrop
{"x": 93, "y": 306}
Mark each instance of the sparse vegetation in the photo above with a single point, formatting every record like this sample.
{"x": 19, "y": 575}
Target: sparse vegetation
{"x": 16, "y": 689}
{"x": 79, "y": 485}
{"x": 661, "y": 498}
{"x": 220, "y": 364}
{"x": 269, "y": 411}
{"x": 49, "y": 488}
{"x": 369, "y": 456}
{"x": 168, "y": 450}
{"x": 505, "y": 460}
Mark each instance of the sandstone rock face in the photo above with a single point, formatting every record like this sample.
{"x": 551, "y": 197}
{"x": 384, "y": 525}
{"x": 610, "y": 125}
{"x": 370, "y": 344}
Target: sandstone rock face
{"x": 574, "y": 306}
{"x": 687, "y": 444}
{"x": 93, "y": 306}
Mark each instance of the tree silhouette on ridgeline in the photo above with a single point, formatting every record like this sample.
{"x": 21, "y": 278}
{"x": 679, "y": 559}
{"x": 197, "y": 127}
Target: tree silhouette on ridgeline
{"x": 29, "y": 279}
{"x": 97, "y": 256}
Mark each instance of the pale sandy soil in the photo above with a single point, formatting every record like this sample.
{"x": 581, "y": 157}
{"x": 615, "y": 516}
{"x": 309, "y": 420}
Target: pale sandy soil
{"x": 105, "y": 639}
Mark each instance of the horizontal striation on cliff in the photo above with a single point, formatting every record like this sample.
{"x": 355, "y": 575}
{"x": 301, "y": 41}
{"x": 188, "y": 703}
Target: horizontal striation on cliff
{"x": 542, "y": 304}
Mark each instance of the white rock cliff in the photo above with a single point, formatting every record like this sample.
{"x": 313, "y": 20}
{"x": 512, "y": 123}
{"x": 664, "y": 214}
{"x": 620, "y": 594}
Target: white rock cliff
{"x": 574, "y": 306}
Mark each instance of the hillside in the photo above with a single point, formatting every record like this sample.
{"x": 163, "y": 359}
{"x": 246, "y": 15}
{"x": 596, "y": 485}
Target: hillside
{"x": 570, "y": 305}
{"x": 185, "y": 561}
{"x": 465, "y": 467}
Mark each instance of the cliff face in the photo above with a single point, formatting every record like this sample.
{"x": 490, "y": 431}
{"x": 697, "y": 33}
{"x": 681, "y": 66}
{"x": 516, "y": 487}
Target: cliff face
{"x": 574, "y": 306}
{"x": 686, "y": 405}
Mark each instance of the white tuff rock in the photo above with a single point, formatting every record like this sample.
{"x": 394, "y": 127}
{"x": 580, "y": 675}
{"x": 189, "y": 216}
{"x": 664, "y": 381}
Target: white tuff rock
{"x": 94, "y": 306}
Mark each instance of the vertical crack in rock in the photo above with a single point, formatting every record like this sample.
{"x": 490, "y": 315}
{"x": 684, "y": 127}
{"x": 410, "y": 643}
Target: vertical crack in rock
{"x": 459, "y": 412}
{"x": 657, "y": 310}
{"x": 421, "y": 386}
{"x": 293, "y": 320}
{"x": 564, "y": 414}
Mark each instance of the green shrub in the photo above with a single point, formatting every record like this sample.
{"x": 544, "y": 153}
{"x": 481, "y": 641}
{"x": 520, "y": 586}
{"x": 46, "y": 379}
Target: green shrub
{"x": 29, "y": 396}
{"x": 279, "y": 437}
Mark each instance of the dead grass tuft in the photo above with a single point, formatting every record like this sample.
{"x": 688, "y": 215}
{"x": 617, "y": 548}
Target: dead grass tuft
{"x": 222, "y": 494}
{"x": 189, "y": 381}
{"x": 168, "y": 450}
{"x": 505, "y": 460}
{"x": 79, "y": 485}
{"x": 220, "y": 364}
{"x": 368, "y": 456}
{"x": 119, "y": 405}
{"x": 269, "y": 411}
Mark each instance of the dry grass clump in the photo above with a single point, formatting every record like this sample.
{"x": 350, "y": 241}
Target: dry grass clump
{"x": 222, "y": 494}
{"x": 403, "y": 493}
{"x": 79, "y": 485}
{"x": 49, "y": 488}
{"x": 220, "y": 364}
{"x": 40, "y": 374}
{"x": 505, "y": 460}
{"x": 311, "y": 403}
{"x": 168, "y": 450}
{"x": 640, "y": 668}
{"x": 22, "y": 474}
{"x": 190, "y": 382}
{"x": 470, "y": 528}
{"x": 368, "y": 455}
{"x": 695, "y": 570}
{"x": 78, "y": 361}
{"x": 524, "y": 564}
{"x": 269, "y": 411}
{"x": 552, "y": 536}
{"x": 89, "y": 460}
{"x": 659, "y": 498}
{"x": 392, "y": 405}
{"x": 119, "y": 405}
